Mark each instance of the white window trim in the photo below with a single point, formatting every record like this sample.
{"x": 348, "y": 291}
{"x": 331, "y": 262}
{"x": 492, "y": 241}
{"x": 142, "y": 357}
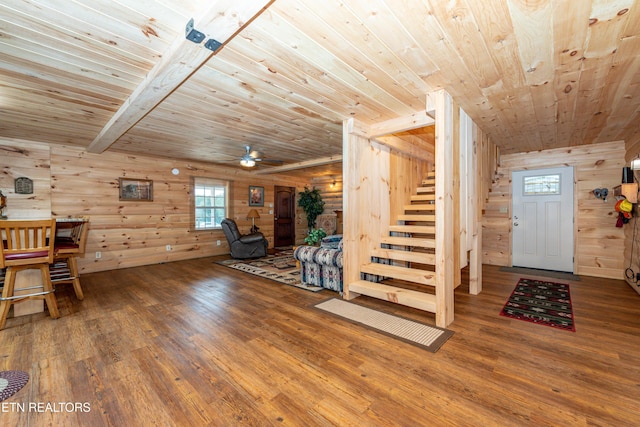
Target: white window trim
{"x": 210, "y": 182}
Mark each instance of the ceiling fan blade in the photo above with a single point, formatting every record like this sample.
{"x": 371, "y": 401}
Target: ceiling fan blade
{"x": 273, "y": 162}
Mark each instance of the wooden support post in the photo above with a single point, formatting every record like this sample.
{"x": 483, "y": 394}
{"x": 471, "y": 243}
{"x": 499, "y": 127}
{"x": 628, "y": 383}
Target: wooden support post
{"x": 444, "y": 209}
{"x": 475, "y": 210}
{"x": 456, "y": 176}
{"x": 475, "y": 263}
{"x": 350, "y": 270}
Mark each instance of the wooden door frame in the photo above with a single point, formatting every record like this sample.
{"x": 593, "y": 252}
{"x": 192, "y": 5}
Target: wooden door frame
{"x": 574, "y": 201}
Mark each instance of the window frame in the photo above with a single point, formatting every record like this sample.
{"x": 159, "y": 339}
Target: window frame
{"x": 198, "y": 181}
{"x": 557, "y": 185}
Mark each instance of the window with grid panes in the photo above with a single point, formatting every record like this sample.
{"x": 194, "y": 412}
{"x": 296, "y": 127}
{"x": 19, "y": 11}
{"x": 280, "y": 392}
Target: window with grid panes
{"x": 210, "y": 198}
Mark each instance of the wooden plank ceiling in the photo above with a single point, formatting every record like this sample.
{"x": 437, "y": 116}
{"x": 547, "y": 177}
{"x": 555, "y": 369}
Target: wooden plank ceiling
{"x": 533, "y": 74}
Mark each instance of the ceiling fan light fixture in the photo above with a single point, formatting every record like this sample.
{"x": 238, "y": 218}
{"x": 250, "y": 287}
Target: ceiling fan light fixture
{"x": 249, "y": 163}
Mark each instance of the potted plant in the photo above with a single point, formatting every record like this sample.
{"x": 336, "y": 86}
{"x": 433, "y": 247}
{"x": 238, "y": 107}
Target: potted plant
{"x": 312, "y": 204}
{"x": 315, "y": 236}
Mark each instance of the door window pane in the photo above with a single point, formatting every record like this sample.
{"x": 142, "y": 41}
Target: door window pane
{"x": 541, "y": 185}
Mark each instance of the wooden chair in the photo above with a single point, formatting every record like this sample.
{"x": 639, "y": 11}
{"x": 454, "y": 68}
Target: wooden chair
{"x": 70, "y": 241}
{"x": 26, "y": 244}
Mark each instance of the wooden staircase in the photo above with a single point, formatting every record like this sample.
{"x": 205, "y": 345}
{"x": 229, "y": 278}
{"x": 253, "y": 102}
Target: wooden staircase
{"x": 410, "y": 249}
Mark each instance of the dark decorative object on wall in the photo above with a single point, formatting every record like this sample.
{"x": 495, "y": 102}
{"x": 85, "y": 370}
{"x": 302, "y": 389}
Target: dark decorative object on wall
{"x": 23, "y": 185}
{"x": 256, "y": 196}
{"x": 136, "y": 189}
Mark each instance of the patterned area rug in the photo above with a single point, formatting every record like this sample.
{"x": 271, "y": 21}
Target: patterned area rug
{"x": 11, "y": 382}
{"x": 545, "y": 303}
{"x": 428, "y": 337}
{"x": 280, "y": 267}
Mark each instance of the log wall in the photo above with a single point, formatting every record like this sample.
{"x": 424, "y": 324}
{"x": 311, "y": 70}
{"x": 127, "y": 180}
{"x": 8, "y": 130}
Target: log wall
{"x": 132, "y": 233}
{"x": 331, "y": 192}
{"x": 599, "y": 245}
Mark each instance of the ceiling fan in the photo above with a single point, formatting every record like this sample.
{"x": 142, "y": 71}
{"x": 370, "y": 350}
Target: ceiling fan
{"x": 250, "y": 158}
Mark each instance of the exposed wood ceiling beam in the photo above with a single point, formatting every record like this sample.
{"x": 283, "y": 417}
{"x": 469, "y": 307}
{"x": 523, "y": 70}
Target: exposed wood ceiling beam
{"x": 301, "y": 165}
{"x": 407, "y": 147}
{"x": 413, "y": 121}
{"x": 401, "y": 124}
{"x": 382, "y": 133}
{"x": 221, "y": 22}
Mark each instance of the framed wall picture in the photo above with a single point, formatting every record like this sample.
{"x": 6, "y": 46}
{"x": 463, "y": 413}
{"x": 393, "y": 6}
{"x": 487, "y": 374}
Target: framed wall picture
{"x": 23, "y": 185}
{"x": 256, "y": 196}
{"x": 136, "y": 189}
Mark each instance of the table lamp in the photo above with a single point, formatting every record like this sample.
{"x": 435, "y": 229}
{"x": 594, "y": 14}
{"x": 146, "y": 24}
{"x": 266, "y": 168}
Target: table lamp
{"x": 252, "y": 215}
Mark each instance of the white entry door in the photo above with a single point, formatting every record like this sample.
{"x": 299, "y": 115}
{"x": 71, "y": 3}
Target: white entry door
{"x": 542, "y": 219}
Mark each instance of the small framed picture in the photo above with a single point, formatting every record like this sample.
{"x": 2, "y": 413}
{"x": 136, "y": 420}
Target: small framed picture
{"x": 256, "y": 196}
{"x": 136, "y": 189}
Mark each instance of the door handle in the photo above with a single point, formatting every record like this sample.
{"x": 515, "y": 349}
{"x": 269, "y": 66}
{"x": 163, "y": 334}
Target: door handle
{"x": 515, "y": 224}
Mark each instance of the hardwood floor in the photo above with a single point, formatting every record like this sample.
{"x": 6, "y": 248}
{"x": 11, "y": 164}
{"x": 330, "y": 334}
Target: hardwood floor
{"x": 193, "y": 343}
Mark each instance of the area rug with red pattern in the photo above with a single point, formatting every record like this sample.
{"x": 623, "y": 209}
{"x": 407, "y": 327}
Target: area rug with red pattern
{"x": 541, "y": 302}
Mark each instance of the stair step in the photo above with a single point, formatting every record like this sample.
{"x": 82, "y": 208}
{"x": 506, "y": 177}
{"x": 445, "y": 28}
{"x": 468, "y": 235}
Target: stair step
{"x": 423, "y": 277}
{"x": 423, "y": 207}
{"x": 430, "y": 218}
{"x": 429, "y": 181}
{"x": 409, "y": 241}
{"x": 426, "y": 190}
{"x": 420, "y": 229}
{"x": 415, "y": 299}
{"x": 398, "y": 255}
{"x": 423, "y": 197}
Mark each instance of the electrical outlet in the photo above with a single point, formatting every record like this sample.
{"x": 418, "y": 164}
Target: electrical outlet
{"x": 98, "y": 255}
{"x": 168, "y": 247}
{"x": 218, "y": 242}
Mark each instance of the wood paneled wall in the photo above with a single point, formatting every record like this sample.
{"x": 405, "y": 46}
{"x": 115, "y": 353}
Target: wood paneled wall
{"x": 366, "y": 174}
{"x": 131, "y": 233}
{"x": 31, "y": 160}
{"x": 599, "y": 245}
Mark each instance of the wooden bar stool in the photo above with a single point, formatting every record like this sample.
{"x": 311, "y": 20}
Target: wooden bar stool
{"x": 70, "y": 241}
{"x": 26, "y": 244}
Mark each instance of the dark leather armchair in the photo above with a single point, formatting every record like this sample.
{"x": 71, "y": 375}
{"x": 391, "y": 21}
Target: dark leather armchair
{"x": 252, "y": 245}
